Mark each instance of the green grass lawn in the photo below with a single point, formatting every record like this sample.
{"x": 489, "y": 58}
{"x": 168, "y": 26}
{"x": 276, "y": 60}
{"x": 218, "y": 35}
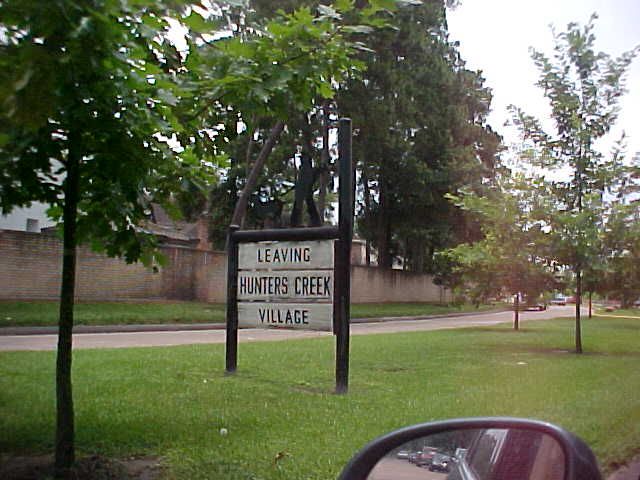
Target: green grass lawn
{"x": 38, "y": 313}
{"x": 173, "y": 402}
{"x": 376, "y": 310}
{"x": 632, "y": 313}
{"x": 111, "y": 313}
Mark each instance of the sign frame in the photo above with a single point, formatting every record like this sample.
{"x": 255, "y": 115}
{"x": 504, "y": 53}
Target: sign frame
{"x": 343, "y": 235}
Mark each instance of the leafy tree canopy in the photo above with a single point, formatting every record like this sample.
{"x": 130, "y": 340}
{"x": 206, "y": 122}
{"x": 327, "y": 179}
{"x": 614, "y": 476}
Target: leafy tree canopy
{"x": 102, "y": 114}
{"x": 82, "y": 83}
{"x": 422, "y": 133}
{"x": 514, "y": 254}
{"x": 584, "y": 88}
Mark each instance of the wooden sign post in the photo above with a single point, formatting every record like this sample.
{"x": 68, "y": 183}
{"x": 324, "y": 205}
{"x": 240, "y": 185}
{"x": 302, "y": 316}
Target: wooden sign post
{"x": 296, "y": 277}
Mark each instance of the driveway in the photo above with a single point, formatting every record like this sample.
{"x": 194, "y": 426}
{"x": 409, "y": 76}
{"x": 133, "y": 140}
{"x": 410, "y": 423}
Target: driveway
{"x": 190, "y": 337}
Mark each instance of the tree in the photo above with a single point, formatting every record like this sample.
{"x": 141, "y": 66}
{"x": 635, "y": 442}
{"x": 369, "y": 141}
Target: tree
{"x": 622, "y": 247}
{"x": 83, "y": 103}
{"x": 584, "y": 88}
{"x": 513, "y": 255}
{"x": 420, "y": 118}
{"x": 91, "y": 92}
{"x": 283, "y": 71}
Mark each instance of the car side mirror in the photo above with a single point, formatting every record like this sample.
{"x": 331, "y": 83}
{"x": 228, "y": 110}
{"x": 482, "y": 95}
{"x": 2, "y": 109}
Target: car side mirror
{"x": 475, "y": 449}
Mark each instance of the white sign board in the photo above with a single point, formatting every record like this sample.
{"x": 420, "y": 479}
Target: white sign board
{"x": 286, "y": 255}
{"x": 294, "y": 285}
{"x": 305, "y": 316}
{"x": 286, "y": 285}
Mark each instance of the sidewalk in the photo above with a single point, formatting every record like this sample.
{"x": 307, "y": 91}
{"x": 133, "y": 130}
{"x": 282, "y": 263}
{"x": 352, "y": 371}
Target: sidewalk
{"x": 180, "y": 327}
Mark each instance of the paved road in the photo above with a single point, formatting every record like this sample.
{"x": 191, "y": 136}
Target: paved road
{"x": 394, "y": 469}
{"x": 156, "y": 339}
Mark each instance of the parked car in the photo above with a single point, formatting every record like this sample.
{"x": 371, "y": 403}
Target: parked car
{"x": 558, "y": 300}
{"x": 426, "y": 457}
{"x": 413, "y": 456}
{"x": 532, "y": 307}
{"x": 440, "y": 463}
{"x": 403, "y": 454}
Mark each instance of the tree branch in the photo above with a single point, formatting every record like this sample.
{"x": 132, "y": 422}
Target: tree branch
{"x": 241, "y": 205}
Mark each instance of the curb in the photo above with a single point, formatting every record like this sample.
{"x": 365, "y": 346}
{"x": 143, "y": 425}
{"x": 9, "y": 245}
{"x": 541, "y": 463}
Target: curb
{"x": 113, "y": 328}
{"x": 425, "y": 317}
{"x": 7, "y": 331}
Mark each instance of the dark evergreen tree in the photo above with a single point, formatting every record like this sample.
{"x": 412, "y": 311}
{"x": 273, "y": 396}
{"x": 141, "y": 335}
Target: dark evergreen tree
{"x": 420, "y": 118}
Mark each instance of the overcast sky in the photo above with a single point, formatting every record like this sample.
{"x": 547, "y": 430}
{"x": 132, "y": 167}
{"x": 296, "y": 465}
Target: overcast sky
{"x": 495, "y": 36}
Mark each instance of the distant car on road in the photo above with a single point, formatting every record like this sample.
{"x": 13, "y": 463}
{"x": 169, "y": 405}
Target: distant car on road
{"x": 413, "y": 456}
{"x": 403, "y": 454}
{"x": 440, "y": 463}
{"x": 425, "y": 458}
{"x": 559, "y": 300}
{"x": 530, "y": 303}
{"x": 532, "y": 307}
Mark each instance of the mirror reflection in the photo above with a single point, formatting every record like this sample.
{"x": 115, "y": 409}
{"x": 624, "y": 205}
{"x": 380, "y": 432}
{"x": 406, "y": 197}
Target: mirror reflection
{"x": 477, "y": 454}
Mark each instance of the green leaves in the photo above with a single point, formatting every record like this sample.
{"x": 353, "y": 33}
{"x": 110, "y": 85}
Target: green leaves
{"x": 584, "y": 88}
{"x": 301, "y": 59}
{"x": 197, "y": 23}
{"x": 514, "y": 254}
{"x": 328, "y": 12}
{"x": 382, "y": 5}
{"x": 363, "y": 29}
{"x": 421, "y": 118}
{"x": 94, "y": 86}
{"x": 124, "y": 89}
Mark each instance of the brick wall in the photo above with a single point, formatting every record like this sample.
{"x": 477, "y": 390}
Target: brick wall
{"x": 31, "y": 264}
{"x": 371, "y": 285}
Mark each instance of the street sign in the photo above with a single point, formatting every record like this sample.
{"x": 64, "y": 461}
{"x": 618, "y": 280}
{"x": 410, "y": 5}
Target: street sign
{"x": 286, "y": 284}
{"x": 286, "y": 255}
{"x": 289, "y": 278}
{"x": 300, "y": 316}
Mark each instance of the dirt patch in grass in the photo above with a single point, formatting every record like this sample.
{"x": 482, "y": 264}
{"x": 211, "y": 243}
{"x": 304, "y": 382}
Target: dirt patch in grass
{"x": 95, "y": 467}
{"x": 626, "y": 471}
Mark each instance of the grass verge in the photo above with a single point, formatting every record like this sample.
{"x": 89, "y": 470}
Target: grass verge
{"x": 377, "y": 310}
{"x": 633, "y": 313}
{"x": 283, "y": 422}
{"x": 42, "y": 313}
{"x": 39, "y": 313}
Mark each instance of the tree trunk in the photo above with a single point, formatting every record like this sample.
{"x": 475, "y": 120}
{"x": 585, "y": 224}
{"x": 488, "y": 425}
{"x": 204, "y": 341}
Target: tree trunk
{"x": 405, "y": 256}
{"x": 367, "y": 205}
{"x": 418, "y": 254}
{"x": 385, "y": 259}
{"x": 383, "y": 232}
{"x": 590, "y": 304}
{"x": 367, "y": 252}
{"x": 578, "y": 301}
{"x": 65, "y": 430}
{"x": 516, "y": 313}
{"x": 324, "y": 161}
{"x": 248, "y": 153}
{"x": 241, "y": 206}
